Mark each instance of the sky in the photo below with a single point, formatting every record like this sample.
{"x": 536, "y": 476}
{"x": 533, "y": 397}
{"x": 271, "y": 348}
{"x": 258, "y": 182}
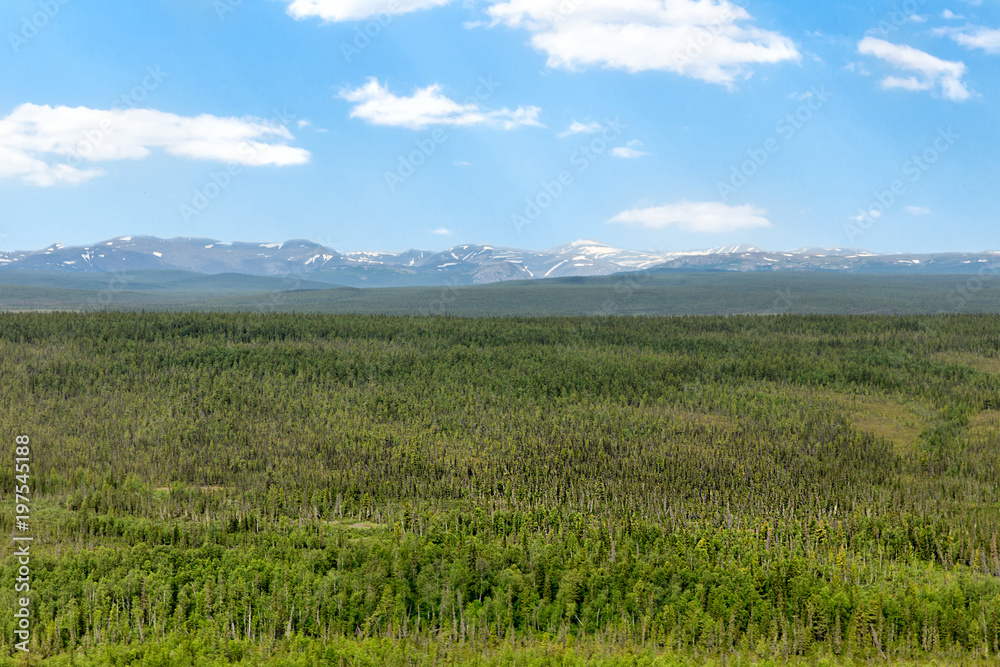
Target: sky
{"x": 662, "y": 125}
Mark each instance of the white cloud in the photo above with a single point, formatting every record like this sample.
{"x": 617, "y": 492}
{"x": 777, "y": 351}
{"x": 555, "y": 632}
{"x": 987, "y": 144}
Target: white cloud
{"x": 704, "y": 217}
{"x": 629, "y": 152}
{"x": 427, "y": 106}
{"x": 973, "y": 37}
{"x": 874, "y": 213}
{"x": 441, "y": 231}
{"x": 356, "y": 10}
{"x": 950, "y": 15}
{"x": 576, "y": 127}
{"x": 931, "y": 72}
{"x": 46, "y": 145}
{"x": 61, "y": 174}
{"x": 702, "y": 39}
{"x": 917, "y": 210}
{"x": 462, "y": 163}
{"x": 905, "y": 83}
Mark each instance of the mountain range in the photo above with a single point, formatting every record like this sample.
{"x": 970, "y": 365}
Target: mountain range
{"x": 461, "y": 264}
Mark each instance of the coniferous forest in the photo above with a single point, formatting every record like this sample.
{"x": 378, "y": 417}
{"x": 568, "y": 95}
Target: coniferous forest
{"x": 211, "y": 489}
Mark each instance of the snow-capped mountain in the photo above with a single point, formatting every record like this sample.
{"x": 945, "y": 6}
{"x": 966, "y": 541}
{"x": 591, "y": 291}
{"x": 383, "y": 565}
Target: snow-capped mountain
{"x": 462, "y": 264}
{"x": 186, "y": 254}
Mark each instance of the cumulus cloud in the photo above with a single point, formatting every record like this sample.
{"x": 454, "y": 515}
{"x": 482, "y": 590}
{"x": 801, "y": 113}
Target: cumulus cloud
{"x": 703, "y": 217}
{"x": 917, "y": 210}
{"x": 441, "y": 231}
{"x": 576, "y": 127}
{"x": 930, "y": 72}
{"x": 950, "y": 15}
{"x": 973, "y": 37}
{"x": 710, "y": 40}
{"x": 427, "y": 106}
{"x": 45, "y": 145}
{"x": 355, "y": 10}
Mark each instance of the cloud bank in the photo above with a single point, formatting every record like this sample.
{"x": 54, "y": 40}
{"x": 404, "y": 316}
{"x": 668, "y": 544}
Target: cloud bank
{"x": 710, "y": 40}
{"x": 44, "y": 145}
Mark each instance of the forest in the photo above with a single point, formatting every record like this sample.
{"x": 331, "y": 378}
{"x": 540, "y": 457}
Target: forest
{"x": 644, "y": 293}
{"x": 289, "y": 489}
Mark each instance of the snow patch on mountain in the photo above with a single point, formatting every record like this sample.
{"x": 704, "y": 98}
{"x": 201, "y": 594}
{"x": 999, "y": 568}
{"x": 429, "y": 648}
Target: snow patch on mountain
{"x": 461, "y": 264}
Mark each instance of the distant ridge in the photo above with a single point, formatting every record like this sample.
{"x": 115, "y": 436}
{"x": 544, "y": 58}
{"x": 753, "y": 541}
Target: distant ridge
{"x": 462, "y": 264}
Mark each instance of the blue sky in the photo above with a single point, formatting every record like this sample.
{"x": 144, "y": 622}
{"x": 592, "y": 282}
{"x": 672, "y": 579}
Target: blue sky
{"x": 391, "y": 124}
